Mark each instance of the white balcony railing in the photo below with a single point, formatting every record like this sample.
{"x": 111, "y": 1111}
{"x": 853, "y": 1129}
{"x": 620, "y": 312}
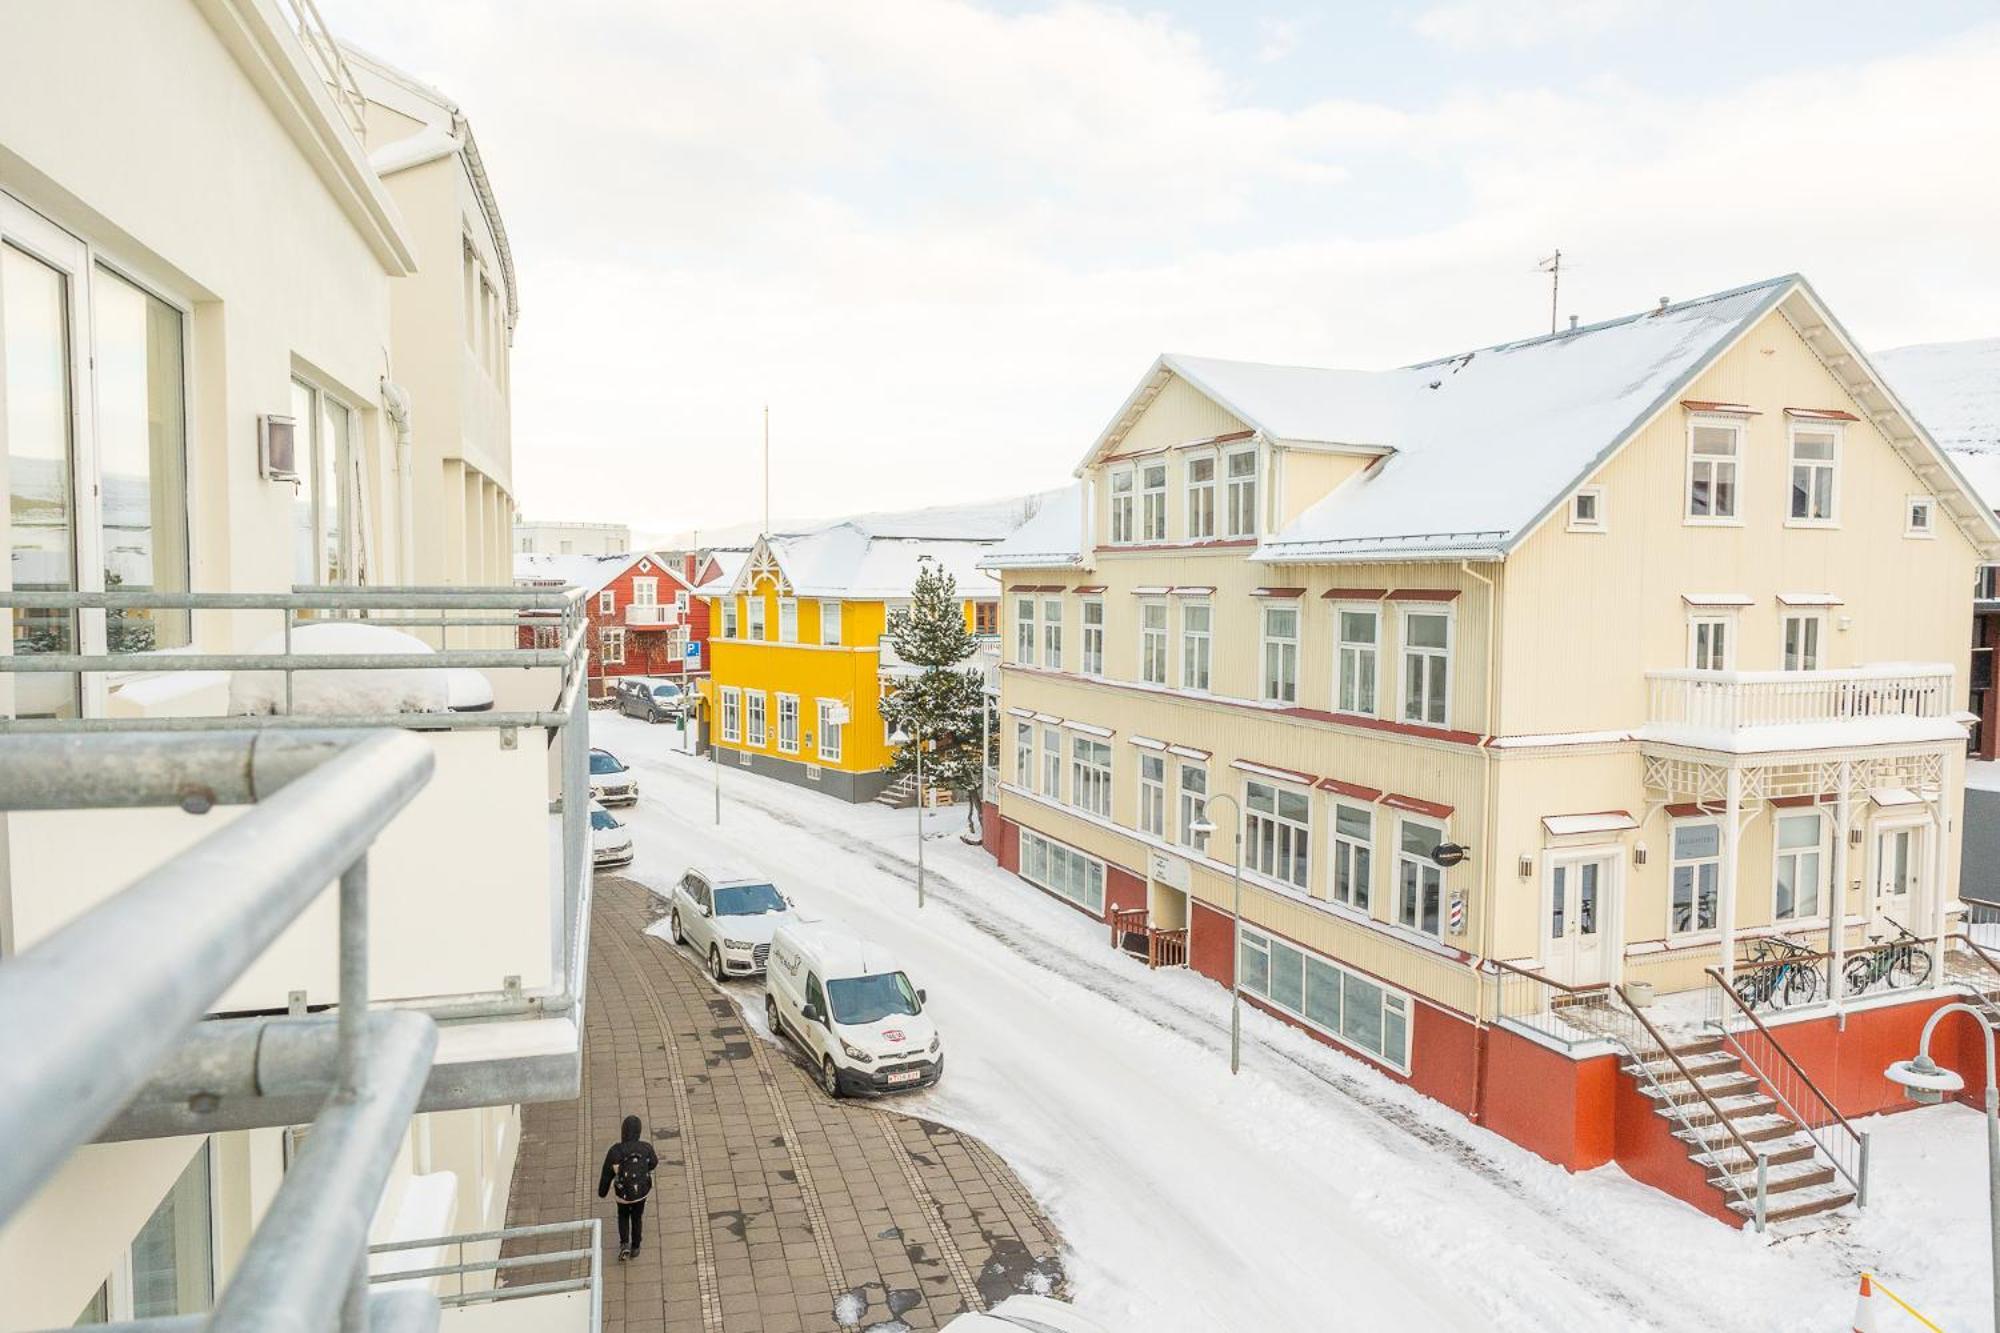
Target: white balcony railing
{"x": 985, "y": 659}
{"x": 1728, "y": 701}
{"x": 327, "y": 62}
{"x": 652, "y": 617}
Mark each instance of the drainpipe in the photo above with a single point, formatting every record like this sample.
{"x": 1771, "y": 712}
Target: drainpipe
{"x": 1486, "y": 832}
{"x": 396, "y": 401}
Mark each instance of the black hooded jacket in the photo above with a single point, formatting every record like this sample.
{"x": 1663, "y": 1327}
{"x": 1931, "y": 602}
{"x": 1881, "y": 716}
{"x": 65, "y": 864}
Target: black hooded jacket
{"x": 629, "y": 1165}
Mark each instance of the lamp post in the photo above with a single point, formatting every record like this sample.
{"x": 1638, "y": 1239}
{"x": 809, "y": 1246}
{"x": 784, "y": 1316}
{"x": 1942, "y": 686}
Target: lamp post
{"x": 902, "y": 737}
{"x": 1923, "y": 1080}
{"x": 1204, "y": 828}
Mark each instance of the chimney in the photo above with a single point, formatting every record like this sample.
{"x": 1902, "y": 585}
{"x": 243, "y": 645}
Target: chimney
{"x": 1663, "y": 306}
{"x": 1572, "y": 323}
{"x": 687, "y": 567}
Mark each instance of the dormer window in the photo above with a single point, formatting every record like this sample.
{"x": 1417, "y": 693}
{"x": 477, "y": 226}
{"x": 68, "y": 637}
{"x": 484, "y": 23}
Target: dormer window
{"x": 1121, "y": 506}
{"x": 1714, "y": 449}
{"x": 1586, "y": 510}
{"x": 1153, "y": 502}
{"x": 1240, "y": 468}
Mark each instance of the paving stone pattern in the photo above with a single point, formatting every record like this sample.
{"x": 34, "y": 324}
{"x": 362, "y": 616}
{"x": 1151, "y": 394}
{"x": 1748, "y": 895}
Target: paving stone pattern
{"x": 775, "y": 1209}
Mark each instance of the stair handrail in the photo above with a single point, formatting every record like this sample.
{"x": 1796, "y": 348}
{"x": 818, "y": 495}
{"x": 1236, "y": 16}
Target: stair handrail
{"x": 1758, "y": 1204}
{"x": 1978, "y": 950}
{"x": 1857, "y": 1177}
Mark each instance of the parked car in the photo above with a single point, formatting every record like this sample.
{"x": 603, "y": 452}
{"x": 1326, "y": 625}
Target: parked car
{"x": 727, "y": 919}
{"x": 1026, "y": 1314}
{"x": 653, "y": 700}
{"x": 610, "y": 781}
{"x": 858, "y": 1016}
{"x": 610, "y": 841}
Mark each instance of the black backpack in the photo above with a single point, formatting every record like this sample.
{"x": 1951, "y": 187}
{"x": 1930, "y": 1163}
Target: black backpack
{"x": 632, "y": 1172}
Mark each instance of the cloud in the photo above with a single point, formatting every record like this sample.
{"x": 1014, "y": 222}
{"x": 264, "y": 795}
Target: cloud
{"x": 943, "y": 242}
{"x": 1470, "y": 25}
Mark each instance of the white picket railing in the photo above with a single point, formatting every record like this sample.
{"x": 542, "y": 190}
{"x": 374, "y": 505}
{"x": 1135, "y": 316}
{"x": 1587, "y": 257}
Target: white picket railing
{"x": 1729, "y": 700}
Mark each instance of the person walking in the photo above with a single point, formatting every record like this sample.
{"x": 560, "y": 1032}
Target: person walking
{"x": 628, "y": 1178}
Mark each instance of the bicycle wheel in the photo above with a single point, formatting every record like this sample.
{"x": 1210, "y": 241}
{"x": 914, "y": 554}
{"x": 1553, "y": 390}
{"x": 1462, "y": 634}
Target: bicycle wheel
{"x": 1858, "y": 976}
{"x": 1749, "y": 988}
{"x": 1801, "y": 986}
{"x": 1909, "y": 968}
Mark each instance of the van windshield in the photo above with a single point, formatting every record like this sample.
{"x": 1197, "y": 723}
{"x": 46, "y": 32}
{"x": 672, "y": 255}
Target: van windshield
{"x": 601, "y": 819}
{"x": 748, "y": 900}
{"x": 871, "y": 999}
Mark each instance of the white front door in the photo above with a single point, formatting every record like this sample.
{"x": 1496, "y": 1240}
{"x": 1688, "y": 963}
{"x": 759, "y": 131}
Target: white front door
{"x": 1576, "y": 917}
{"x": 1895, "y": 888}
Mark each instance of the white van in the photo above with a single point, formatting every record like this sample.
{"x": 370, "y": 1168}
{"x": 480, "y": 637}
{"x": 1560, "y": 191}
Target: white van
{"x": 859, "y": 1018}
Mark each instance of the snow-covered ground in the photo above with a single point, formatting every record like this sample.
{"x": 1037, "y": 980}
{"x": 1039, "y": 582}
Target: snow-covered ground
{"x": 1309, "y": 1191}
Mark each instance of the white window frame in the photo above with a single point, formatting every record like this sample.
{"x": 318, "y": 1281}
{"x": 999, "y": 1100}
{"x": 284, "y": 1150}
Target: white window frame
{"x": 1734, "y": 518}
{"x": 1154, "y": 652}
{"x": 1197, "y": 654}
{"x": 1192, "y": 807}
{"x": 611, "y": 645}
{"x": 1052, "y": 633}
{"x": 1410, "y": 911}
{"x": 1818, "y": 851}
{"x": 1153, "y": 501}
{"x": 1290, "y": 839}
{"x": 681, "y": 601}
{"x": 1348, "y": 851}
{"x": 732, "y": 714}
{"x": 754, "y": 625}
{"x": 755, "y": 720}
{"x": 1024, "y": 755}
{"x": 788, "y": 620}
{"x": 1258, "y": 944}
{"x": 1152, "y": 817}
{"x": 1591, "y": 497}
{"x": 1051, "y": 775}
{"x": 1122, "y": 491}
{"x": 1025, "y": 607}
{"x": 1927, "y": 506}
{"x": 607, "y": 603}
{"x": 1201, "y": 495}
{"x": 788, "y": 724}
{"x": 1811, "y": 627}
{"x": 1831, "y": 466}
{"x": 730, "y": 610}
{"x": 1674, "y": 864}
{"x": 1349, "y": 654}
{"x": 1091, "y": 636}
{"x": 1089, "y": 779}
{"x": 830, "y": 622}
{"x": 1080, "y": 878}
{"x": 1407, "y": 650}
{"x": 1283, "y": 665}
{"x": 1247, "y": 486}
{"x": 1696, "y": 652}
{"x": 645, "y": 592}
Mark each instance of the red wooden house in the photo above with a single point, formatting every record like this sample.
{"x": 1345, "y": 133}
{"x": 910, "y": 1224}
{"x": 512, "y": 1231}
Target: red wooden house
{"x": 645, "y": 619}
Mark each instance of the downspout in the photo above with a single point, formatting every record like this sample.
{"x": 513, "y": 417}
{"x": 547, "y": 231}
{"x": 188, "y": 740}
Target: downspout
{"x": 396, "y": 401}
{"x": 1486, "y": 832}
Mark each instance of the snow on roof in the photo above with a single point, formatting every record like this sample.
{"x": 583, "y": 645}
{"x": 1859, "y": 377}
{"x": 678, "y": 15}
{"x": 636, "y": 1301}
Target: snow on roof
{"x": 1053, "y": 537}
{"x": 1482, "y": 444}
{"x": 845, "y": 560}
{"x": 588, "y": 572}
{"x": 728, "y": 562}
{"x": 1954, "y": 391}
{"x": 980, "y": 520}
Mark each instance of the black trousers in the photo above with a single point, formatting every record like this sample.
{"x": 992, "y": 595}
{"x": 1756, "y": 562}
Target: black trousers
{"x": 631, "y": 1220}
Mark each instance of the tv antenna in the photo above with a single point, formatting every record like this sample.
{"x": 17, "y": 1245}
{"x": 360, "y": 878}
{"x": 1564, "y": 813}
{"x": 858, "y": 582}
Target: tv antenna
{"x": 1553, "y": 267}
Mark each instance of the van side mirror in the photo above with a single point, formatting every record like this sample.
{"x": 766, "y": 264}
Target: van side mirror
{"x": 922, "y": 995}
{"x": 810, "y": 1013}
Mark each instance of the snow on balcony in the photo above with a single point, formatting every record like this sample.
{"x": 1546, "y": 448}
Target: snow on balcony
{"x": 1768, "y": 711}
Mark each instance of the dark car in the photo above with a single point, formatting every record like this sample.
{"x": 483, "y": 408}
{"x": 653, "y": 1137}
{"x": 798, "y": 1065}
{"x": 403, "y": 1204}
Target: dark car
{"x": 653, "y": 700}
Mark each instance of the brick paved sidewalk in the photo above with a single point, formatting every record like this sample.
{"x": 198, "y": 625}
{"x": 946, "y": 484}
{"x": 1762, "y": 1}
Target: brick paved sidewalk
{"x": 775, "y": 1208}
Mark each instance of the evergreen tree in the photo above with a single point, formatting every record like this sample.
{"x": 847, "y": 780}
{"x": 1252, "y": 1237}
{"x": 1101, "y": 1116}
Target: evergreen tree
{"x": 944, "y": 704}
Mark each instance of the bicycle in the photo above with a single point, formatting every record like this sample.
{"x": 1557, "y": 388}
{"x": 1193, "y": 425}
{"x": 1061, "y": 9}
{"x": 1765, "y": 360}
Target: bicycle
{"x": 1779, "y": 973}
{"x": 1905, "y": 962}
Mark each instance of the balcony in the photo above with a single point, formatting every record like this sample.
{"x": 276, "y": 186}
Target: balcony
{"x": 985, "y": 659}
{"x": 664, "y": 616}
{"x": 548, "y": 1278}
{"x": 1760, "y": 712}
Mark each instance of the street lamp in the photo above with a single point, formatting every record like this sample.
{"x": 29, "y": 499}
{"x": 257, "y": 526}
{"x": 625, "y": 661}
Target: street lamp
{"x": 902, "y": 737}
{"x": 1204, "y": 828}
{"x": 1923, "y": 1080}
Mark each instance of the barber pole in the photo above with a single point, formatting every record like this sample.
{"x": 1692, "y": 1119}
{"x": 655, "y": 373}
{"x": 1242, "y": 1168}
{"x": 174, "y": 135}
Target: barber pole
{"x": 1457, "y": 914}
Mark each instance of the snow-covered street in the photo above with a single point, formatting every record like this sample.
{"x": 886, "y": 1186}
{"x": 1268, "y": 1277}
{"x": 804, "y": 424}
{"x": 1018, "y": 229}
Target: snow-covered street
{"x": 1309, "y": 1191}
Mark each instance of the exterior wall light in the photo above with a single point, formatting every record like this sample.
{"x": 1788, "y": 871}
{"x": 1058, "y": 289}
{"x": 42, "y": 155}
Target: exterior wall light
{"x": 1638, "y": 853}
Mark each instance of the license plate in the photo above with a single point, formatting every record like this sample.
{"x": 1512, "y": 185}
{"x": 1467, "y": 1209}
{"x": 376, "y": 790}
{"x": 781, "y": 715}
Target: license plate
{"x": 904, "y": 1076}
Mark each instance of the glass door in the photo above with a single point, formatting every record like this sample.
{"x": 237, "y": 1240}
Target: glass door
{"x": 1895, "y": 895}
{"x": 1575, "y": 943}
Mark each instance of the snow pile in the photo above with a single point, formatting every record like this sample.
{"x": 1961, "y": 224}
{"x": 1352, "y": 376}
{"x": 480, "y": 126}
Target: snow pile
{"x": 361, "y": 691}
{"x": 1952, "y": 388}
{"x": 1054, "y": 536}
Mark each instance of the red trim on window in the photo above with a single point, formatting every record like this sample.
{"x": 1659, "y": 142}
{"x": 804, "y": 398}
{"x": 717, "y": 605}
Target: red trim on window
{"x": 1692, "y": 810}
{"x": 1092, "y": 587}
{"x": 1355, "y": 594}
{"x": 1424, "y": 595}
{"x": 1820, "y": 414}
{"x": 1416, "y": 805}
{"x": 1256, "y": 767}
{"x": 1279, "y": 593}
{"x": 1354, "y": 789}
{"x": 1193, "y": 590}
{"x": 1792, "y": 802}
{"x": 1725, "y": 409}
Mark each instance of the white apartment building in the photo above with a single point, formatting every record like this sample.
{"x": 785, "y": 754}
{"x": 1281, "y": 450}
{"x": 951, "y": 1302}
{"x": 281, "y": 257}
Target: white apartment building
{"x": 533, "y": 537}
{"x": 226, "y": 399}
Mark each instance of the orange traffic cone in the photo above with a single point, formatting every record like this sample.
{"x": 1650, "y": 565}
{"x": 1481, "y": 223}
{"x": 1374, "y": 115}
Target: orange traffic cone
{"x": 1864, "y": 1307}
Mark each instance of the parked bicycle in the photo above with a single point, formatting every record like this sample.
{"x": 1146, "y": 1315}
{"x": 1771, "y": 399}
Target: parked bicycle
{"x": 1904, "y": 962}
{"x": 1778, "y": 972}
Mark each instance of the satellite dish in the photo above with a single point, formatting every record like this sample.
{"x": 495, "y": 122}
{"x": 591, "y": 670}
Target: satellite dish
{"x": 1447, "y": 854}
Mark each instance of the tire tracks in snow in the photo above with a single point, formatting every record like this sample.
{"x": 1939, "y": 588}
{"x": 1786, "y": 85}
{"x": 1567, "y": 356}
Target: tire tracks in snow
{"x": 1585, "y": 1266}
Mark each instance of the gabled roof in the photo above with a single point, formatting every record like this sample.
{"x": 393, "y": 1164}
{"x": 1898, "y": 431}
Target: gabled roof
{"x": 1052, "y": 539}
{"x": 592, "y": 573}
{"x": 846, "y": 561}
{"x": 1954, "y": 390}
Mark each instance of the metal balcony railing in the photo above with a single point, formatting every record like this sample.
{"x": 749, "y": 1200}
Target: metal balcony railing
{"x": 323, "y": 53}
{"x": 516, "y": 1272}
{"x": 1724, "y": 701}
{"x": 105, "y": 1027}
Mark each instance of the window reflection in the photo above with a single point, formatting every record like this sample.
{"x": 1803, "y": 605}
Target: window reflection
{"x": 34, "y": 358}
{"x": 142, "y": 452}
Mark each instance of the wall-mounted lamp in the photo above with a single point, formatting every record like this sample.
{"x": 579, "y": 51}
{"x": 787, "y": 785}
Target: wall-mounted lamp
{"x": 1854, "y": 837}
{"x": 1527, "y": 866}
{"x": 1638, "y": 853}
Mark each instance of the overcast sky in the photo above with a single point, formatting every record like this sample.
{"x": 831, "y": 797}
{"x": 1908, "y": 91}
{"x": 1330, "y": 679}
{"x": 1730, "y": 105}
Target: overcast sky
{"x": 943, "y": 240}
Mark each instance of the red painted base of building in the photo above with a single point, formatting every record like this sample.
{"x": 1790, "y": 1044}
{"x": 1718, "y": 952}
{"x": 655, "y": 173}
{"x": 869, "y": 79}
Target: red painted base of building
{"x": 1579, "y": 1113}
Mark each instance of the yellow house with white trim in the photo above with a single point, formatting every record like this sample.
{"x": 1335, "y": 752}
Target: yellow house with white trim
{"x": 800, "y": 655}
